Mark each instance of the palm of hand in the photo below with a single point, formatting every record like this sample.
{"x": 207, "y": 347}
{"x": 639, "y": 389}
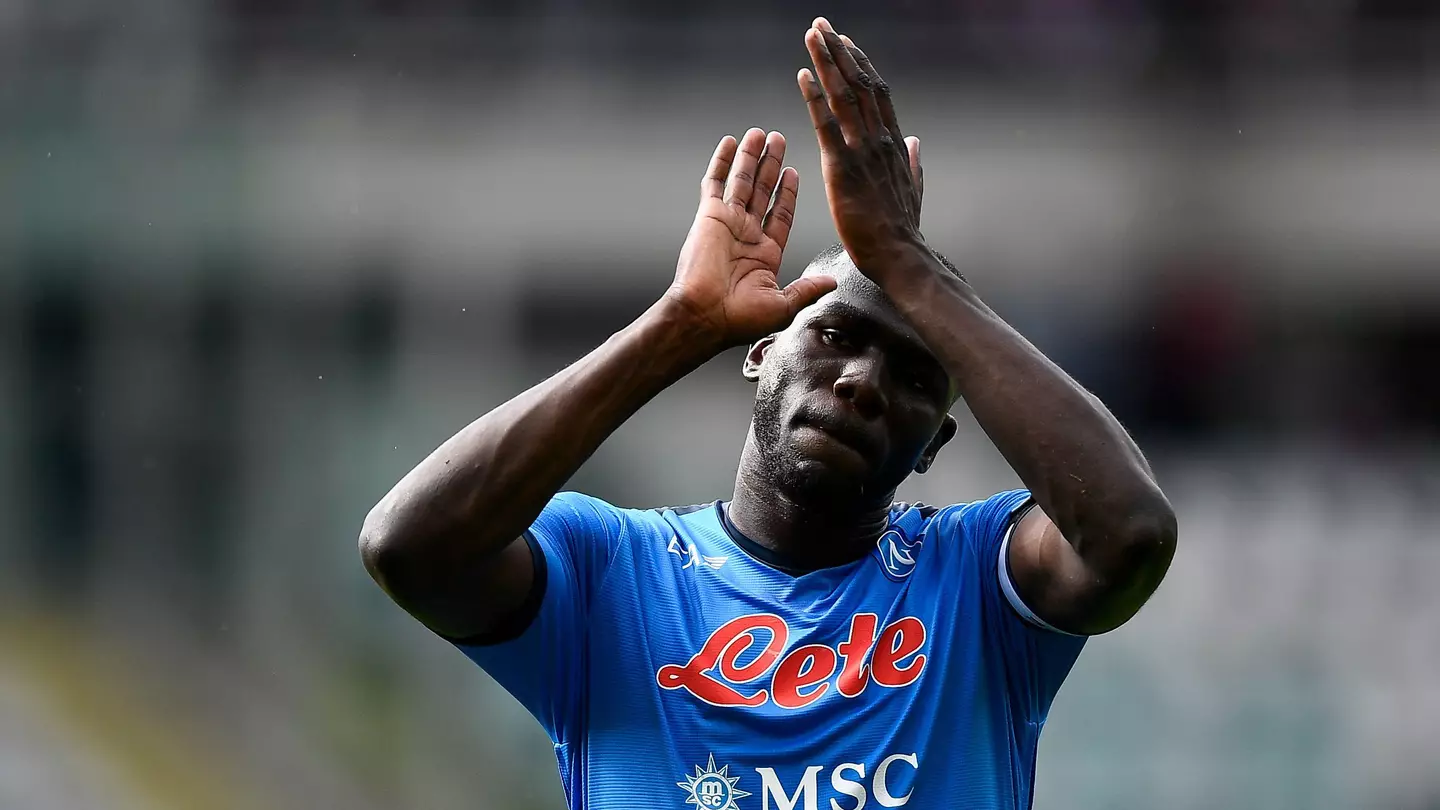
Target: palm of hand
{"x": 729, "y": 267}
{"x": 740, "y": 285}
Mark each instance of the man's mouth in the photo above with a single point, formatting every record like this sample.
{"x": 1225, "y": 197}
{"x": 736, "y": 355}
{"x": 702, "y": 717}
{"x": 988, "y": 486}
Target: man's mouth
{"x": 855, "y": 437}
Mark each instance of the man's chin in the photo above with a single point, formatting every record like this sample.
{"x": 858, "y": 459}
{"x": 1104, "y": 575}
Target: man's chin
{"x": 822, "y": 483}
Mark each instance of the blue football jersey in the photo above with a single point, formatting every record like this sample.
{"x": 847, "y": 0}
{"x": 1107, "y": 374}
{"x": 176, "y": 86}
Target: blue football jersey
{"x": 674, "y": 667}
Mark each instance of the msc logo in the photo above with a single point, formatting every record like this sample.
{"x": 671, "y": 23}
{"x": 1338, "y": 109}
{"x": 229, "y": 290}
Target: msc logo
{"x": 897, "y": 554}
{"x": 883, "y": 785}
{"x": 711, "y": 789}
{"x": 891, "y": 784}
{"x": 718, "y": 674}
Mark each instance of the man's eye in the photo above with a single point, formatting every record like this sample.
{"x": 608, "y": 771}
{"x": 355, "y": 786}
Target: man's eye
{"x": 834, "y": 337}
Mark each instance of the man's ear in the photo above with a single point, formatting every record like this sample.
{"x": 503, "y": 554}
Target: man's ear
{"x": 756, "y": 356}
{"x": 942, "y": 437}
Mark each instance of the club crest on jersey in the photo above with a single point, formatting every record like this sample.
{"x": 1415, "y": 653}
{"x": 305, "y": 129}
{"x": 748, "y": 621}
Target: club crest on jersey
{"x": 897, "y": 554}
{"x": 712, "y": 789}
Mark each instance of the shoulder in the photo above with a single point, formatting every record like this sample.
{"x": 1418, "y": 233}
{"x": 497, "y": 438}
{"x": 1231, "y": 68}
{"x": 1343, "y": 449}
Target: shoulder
{"x": 624, "y": 525}
{"x": 985, "y": 520}
{"x": 682, "y": 511}
{"x": 589, "y": 526}
{"x": 671, "y": 519}
{"x": 589, "y": 508}
{"x": 580, "y": 505}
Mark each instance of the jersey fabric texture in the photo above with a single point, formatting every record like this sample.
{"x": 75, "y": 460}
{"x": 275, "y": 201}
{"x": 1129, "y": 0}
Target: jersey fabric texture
{"x": 674, "y": 668}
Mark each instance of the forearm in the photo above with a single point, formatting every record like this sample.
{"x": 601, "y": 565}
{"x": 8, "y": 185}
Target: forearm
{"x": 1117, "y": 532}
{"x": 1068, "y": 449}
{"x": 487, "y": 484}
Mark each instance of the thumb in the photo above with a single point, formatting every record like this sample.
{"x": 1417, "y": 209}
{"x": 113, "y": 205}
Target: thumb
{"x": 802, "y": 292}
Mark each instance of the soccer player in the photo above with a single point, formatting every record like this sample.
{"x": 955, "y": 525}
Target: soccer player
{"x": 808, "y": 643}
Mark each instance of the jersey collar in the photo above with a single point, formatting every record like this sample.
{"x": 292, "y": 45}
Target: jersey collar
{"x": 774, "y": 559}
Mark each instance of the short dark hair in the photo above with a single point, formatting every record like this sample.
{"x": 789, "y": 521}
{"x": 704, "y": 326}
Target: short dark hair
{"x": 836, "y": 253}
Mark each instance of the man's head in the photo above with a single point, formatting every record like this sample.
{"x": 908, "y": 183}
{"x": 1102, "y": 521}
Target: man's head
{"x": 850, "y": 401}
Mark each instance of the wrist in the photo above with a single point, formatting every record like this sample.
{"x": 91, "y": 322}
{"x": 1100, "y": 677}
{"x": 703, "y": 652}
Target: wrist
{"x": 903, "y": 256}
{"x": 678, "y": 324}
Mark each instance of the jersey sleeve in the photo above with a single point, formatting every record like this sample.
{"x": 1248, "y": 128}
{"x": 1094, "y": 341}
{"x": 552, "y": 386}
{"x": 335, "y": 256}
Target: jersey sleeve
{"x": 542, "y": 658}
{"x": 1037, "y": 656}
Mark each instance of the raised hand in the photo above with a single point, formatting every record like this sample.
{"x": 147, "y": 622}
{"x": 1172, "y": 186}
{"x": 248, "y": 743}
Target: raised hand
{"x": 872, "y": 173}
{"x": 730, "y": 264}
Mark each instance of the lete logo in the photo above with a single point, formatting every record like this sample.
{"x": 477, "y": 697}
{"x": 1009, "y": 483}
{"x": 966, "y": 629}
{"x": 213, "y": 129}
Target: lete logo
{"x": 890, "y": 658}
{"x": 897, "y": 554}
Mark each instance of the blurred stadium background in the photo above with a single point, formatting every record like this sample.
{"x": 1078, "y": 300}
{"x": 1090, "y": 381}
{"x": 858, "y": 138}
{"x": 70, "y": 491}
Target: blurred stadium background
{"x": 258, "y": 257}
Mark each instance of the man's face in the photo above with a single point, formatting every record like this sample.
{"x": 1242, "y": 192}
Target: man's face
{"x": 849, "y": 398}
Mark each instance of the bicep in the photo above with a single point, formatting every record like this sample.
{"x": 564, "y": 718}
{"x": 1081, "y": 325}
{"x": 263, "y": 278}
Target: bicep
{"x": 467, "y": 598}
{"x": 1063, "y": 589}
{"x": 538, "y": 651}
{"x": 508, "y": 592}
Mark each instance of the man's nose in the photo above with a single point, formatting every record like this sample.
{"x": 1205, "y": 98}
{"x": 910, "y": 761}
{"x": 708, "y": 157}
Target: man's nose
{"x": 861, "y": 383}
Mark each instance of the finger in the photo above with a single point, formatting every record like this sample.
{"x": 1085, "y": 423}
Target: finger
{"x": 878, "y": 86}
{"x": 912, "y": 148}
{"x": 741, "y": 182}
{"x": 713, "y": 183}
{"x": 781, "y": 216}
{"x": 769, "y": 174}
{"x": 858, "y": 80}
{"x": 827, "y": 129}
{"x": 843, "y": 99}
{"x": 806, "y": 290}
